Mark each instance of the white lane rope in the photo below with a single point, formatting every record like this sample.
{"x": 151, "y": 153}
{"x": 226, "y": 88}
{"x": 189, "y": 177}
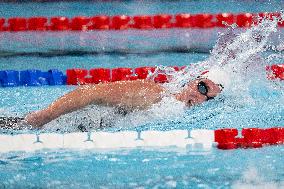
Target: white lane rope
{"x": 194, "y": 139}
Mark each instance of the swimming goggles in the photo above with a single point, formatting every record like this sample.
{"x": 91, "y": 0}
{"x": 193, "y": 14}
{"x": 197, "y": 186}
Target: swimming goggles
{"x": 203, "y": 89}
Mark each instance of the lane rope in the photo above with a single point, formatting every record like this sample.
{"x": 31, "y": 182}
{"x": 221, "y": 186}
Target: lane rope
{"x": 140, "y": 22}
{"x": 196, "y": 139}
{"x": 77, "y": 76}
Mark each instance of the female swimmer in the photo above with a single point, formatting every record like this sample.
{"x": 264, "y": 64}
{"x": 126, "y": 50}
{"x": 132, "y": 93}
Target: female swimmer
{"x": 128, "y": 95}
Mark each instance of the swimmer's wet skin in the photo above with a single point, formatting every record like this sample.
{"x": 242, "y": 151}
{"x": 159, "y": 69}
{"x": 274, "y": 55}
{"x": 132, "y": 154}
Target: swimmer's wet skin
{"x": 128, "y": 95}
{"x": 198, "y": 91}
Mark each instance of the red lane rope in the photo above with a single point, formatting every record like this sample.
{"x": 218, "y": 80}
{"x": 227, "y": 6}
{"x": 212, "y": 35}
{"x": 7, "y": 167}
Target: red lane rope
{"x": 122, "y": 22}
{"x": 83, "y": 76}
{"x": 251, "y": 137}
{"x": 97, "y": 75}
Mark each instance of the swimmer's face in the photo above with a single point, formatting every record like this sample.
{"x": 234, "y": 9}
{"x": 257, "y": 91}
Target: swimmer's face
{"x": 198, "y": 91}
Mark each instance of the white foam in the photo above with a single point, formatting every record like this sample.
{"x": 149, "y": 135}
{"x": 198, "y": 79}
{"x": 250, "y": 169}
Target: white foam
{"x": 95, "y": 116}
{"x": 220, "y": 76}
{"x": 251, "y": 179}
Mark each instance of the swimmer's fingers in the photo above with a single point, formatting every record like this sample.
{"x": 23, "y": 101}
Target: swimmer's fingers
{"x": 35, "y": 119}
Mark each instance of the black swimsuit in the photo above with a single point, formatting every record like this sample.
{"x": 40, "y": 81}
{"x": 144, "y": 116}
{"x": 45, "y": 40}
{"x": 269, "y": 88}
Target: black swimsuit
{"x": 16, "y": 123}
{"x": 11, "y": 122}
{"x": 104, "y": 121}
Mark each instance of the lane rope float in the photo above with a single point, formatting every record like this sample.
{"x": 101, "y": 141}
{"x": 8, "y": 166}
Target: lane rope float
{"x": 196, "y": 139}
{"x": 77, "y": 76}
{"x": 140, "y": 22}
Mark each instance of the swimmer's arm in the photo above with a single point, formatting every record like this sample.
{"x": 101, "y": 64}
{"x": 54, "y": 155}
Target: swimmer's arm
{"x": 132, "y": 94}
{"x": 74, "y": 100}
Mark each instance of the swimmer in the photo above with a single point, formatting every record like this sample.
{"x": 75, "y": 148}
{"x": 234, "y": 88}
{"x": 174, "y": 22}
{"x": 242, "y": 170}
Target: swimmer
{"x": 126, "y": 95}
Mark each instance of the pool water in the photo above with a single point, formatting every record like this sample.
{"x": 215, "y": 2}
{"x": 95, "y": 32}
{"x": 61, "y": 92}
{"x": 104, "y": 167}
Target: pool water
{"x": 163, "y": 168}
{"x": 131, "y": 7}
{"x": 259, "y": 106}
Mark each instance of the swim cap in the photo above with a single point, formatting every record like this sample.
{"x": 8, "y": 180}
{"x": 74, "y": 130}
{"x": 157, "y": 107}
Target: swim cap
{"x": 218, "y": 76}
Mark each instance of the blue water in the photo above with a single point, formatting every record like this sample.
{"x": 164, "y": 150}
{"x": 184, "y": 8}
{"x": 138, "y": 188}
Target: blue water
{"x": 141, "y": 168}
{"x": 133, "y": 7}
{"x": 165, "y": 168}
{"x": 103, "y": 60}
{"x": 144, "y": 169}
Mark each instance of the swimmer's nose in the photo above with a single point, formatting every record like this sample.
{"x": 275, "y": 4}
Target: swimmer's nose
{"x": 195, "y": 99}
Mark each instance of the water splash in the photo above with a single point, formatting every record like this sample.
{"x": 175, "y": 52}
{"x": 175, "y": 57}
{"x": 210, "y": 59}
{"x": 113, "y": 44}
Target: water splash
{"x": 238, "y": 62}
{"x": 234, "y": 53}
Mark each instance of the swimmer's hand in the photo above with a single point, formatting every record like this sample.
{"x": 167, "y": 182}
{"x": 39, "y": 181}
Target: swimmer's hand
{"x": 37, "y": 119}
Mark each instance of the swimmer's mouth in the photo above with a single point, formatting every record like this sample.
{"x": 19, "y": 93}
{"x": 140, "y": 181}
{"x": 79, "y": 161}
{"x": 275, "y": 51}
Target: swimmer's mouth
{"x": 189, "y": 103}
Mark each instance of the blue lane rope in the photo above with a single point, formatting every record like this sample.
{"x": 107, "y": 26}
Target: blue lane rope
{"x": 12, "y": 78}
